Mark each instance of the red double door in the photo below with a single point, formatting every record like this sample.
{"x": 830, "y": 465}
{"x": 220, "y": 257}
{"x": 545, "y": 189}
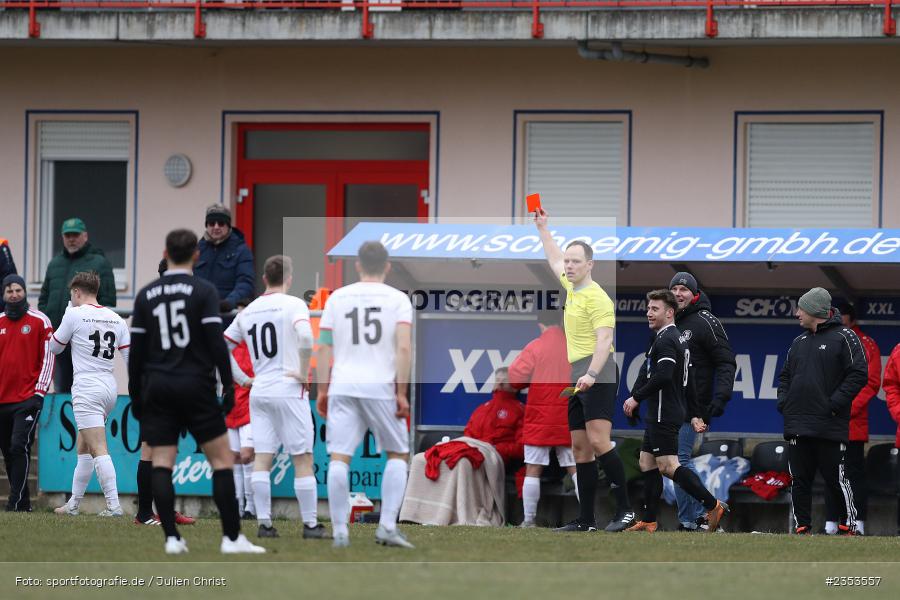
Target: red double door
{"x": 291, "y": 202}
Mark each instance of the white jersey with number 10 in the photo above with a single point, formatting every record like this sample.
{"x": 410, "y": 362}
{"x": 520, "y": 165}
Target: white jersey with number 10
{"x": 363, "y": 319}
{"x": 272, "y": 325}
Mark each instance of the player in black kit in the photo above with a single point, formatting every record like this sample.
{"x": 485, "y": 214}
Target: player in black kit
{"x": 663, "y": 383}
{"x": 176, "y": 343}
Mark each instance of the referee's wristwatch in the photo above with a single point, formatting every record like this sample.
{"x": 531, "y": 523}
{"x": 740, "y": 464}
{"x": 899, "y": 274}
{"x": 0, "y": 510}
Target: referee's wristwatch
{"x": 593, "y": 374}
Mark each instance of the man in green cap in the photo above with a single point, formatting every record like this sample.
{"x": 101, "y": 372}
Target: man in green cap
{"x": 77, "y": 255}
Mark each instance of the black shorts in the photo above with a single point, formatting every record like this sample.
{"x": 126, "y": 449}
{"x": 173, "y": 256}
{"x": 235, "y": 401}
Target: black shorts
{"x": 598, "y": 401}
{"x": 173, "y": 404}
{"x": 661, "y": 438}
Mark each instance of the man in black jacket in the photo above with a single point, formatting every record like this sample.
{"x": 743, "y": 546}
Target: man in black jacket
{"x": 824, "y": 371}
{"x": 713, "y": 368}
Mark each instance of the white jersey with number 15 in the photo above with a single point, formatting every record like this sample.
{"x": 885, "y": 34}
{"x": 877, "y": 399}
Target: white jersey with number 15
{"x": 363, "y": 319}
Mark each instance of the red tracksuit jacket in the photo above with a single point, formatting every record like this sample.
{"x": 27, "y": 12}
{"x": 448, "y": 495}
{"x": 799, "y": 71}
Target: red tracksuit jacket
{"x": 859, "y": 410}
{"x": 892, "y": 388}
{"x": 240, "y": 414}
{"x": 544, "y": 368}
{"x": 499, "y": 422}
{"x": 26, "y": 363}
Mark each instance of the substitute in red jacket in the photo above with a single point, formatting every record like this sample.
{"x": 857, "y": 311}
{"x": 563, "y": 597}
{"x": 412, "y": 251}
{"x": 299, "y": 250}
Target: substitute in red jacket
{"x": 24, "y": 379}
{"x": 892, "y": 395}
{"x": 240, "y": 435}
{"x": 499, "y": 420}
{"x": 855, "y": 461}
{"x": 542, "y": 367}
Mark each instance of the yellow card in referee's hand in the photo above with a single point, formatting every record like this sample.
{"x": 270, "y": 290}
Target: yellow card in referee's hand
{"x": 568, "y": 392}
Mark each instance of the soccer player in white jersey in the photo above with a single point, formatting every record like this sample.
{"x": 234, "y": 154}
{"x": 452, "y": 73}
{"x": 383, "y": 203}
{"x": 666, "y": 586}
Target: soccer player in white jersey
{"x": 278, "y": 335}
{"x": 366, "y": 326}
{"x": 95, "y": 333}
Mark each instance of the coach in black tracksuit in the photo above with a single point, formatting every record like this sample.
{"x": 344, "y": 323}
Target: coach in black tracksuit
{"x": 824, "y": 370}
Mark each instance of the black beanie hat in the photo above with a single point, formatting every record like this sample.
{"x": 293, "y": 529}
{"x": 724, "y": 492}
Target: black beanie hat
{"x": 687, "y": 280}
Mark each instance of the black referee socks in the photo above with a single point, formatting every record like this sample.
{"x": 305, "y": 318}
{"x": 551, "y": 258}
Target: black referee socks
{"x": 690, "y": 483}
{"x": 223, "y": 494}
{"x": 612, "y": 465}
{"x": 587, "y": 487}
{"x": 164, "y": 496}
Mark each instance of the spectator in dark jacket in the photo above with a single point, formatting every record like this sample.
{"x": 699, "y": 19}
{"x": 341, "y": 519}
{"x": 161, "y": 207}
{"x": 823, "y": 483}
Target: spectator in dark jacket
{"x": 712, "y": 367}
{"x": 225, "y": 260}
{"x": 77, "y": 255}
{"x": 824, "y": 371}
{"x": 7, "y": 265}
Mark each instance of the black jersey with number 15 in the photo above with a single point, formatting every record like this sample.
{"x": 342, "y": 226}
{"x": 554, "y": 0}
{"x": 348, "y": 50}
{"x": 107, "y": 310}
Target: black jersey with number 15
{"x": 177, "y": 325}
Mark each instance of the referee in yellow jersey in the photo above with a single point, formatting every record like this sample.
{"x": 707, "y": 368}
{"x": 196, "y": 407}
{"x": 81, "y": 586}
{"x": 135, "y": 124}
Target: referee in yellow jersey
{"x": 590, "y": 323}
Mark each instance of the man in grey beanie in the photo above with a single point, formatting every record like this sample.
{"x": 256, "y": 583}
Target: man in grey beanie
{"x": 824, "y": 370}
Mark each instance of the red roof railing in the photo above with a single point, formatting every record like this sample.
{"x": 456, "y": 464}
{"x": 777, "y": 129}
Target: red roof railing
{"x": 366, "y": 7}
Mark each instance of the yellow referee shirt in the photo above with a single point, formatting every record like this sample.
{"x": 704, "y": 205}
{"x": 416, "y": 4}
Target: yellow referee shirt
{"x": 587, "y": 310}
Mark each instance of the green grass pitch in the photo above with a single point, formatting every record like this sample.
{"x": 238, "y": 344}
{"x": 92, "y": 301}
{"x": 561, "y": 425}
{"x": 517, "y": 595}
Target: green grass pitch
{"x": 449, "y": 562}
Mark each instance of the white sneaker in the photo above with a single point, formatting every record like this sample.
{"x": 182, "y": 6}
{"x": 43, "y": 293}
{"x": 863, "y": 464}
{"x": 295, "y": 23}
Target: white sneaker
{"x": 341, "y": 540}
{"x": 111, "y": 512}
{"x": 66, "y": 509}
{"x": 175, "y": 545}
{"x": 391, "y": 538}
{"x": 240, "y": 546}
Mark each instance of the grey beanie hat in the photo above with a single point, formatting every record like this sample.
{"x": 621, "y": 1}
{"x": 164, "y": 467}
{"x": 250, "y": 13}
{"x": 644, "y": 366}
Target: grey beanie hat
{"x": 816, "y": 302}
{"x": 686, "y": 279}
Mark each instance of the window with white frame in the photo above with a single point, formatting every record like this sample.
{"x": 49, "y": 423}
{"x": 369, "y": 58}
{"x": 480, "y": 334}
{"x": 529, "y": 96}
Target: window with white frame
{"x": 580, "y": 165}
{"x": 83, "y": 171}
{"x": 811, "y": 174}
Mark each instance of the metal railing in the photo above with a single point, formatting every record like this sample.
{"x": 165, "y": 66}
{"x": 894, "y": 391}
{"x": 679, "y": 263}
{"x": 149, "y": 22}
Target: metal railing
{"x": 387, "y": 7}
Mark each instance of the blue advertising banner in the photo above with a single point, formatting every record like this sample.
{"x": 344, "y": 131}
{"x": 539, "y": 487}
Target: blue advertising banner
{"x": 457, "y": 356}
{"x": 192, "y": 474}
{"x": 520, "y": 242}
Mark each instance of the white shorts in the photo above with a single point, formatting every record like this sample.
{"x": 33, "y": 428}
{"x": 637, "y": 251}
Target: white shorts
{"x": 540, "y": 455}
{"x": 283, "y": 422}
{"x": 240, "y": 437}
{"x": 92, "y": 405}
{"x": 349, "y": 418}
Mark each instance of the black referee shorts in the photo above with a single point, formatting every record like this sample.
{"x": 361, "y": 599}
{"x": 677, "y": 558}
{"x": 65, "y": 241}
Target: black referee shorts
{"x": 598, "y": 401}
{"x": 172, "y": 404}
{"x": 661, "y": 438}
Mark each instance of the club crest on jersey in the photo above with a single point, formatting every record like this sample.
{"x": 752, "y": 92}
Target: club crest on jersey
{"x": 502, "y": 413}
{"x": 26, "y": 329}
{"x": 685, "y": 336}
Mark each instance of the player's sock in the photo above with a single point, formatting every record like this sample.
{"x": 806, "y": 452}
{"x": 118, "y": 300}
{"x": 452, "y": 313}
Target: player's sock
{"x": 653, "y": 487}
{"x": 615, "y": 474}
{"x": 531, "y": 494}
{"x": 106, "y": 475}
{"x": 690, "y": 482}
{"x": 305, "y": 490}
{"x": 262, "y": 497}
{"x": 84, "y": 469}
{"x": 226, "y": 502}
{"x": 575, "y": 483}
{"x": 237, "y": 473}
{"x": 831, "y": 527}
{"x": 145, "y": 489}
{"x": 393, "y": 486}
{"x": 339, "y": 496}
{"x": 249, "y": 505}
{"x": 164, "y": 496}
{"x": 587, "y": 486}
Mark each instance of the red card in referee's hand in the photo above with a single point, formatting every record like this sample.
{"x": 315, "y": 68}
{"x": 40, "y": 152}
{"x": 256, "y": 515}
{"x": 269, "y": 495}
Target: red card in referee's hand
{"x": 533, "y": 202}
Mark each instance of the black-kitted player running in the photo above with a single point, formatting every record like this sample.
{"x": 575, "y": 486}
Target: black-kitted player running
{"x": 176, "y": 344}
{"x": 663, "y": 384}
